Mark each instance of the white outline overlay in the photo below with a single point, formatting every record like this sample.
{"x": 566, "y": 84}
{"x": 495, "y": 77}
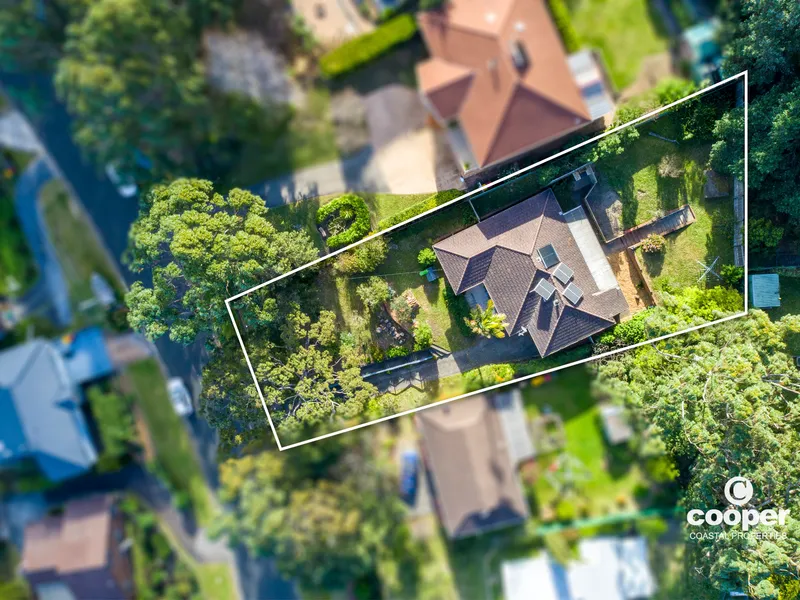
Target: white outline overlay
{"x": 743, "y": 74}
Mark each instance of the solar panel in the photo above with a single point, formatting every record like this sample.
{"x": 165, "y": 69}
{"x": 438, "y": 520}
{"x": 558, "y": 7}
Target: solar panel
{"x": 545, "y": 289}
{"x": 573, "y": 293}
{"x": 549, "y": 256}
{"x": 563, "y": 273}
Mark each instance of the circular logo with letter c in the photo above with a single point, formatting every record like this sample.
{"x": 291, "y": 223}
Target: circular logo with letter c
{"x": 738, "y": 491}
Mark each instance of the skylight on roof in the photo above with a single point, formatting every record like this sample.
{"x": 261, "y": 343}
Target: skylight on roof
{"x": 573, "y": 293}
{"x": 549, "y": 256}
{"x": 545, "y": 289}
{"x": 563, "y": 273}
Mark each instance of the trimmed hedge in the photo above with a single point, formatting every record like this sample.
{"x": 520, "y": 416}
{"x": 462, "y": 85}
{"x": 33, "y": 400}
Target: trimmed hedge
{"x": 433, "y": 201}
{"x": 365, "y": 48}
{"x": 563, "y": 21}
{"x": 358, "y": 228}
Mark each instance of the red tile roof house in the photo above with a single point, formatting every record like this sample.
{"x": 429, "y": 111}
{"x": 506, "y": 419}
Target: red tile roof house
{"x": 79, "y": 554}
{"x": 544, "y": 269}
{"x": 501, "y": 83}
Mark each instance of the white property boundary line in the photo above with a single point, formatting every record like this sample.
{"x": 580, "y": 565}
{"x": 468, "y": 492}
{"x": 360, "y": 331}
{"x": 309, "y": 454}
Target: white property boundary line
{"x": 743, "y": 75}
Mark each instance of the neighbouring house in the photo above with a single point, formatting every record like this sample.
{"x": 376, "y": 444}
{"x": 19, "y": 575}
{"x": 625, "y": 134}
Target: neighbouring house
{"x": 472, "y": 463}
{"x": 544, "y": 269}
{"x": 607, "y": 568}
{"x": 78, "y": 554}
{"x": 500, "y": 82}
{"x": 765, "y": 290}
{"x": 41, "y": 418}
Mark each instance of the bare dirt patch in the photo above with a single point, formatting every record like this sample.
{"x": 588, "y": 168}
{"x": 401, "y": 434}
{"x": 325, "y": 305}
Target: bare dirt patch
{"x": 606, "y": 206}
{"x": 630, "y": 283}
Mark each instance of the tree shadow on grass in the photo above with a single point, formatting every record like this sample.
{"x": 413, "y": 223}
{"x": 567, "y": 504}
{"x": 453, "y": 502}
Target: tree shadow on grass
{"x": 654, "y": 261}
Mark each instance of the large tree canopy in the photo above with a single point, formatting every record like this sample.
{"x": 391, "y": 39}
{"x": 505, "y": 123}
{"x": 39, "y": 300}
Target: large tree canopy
{"x": 202, "y": 248}
{"x": 724, "y": 402}
{"x": 327, "y": 511}
{"x": 131, "y": 77}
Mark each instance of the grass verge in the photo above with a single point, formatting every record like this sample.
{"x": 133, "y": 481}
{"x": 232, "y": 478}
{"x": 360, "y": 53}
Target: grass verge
{"x": 174, "y": 452}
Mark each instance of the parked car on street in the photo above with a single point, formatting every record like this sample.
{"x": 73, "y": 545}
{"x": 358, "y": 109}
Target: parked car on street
{"x": 180, "y": 397}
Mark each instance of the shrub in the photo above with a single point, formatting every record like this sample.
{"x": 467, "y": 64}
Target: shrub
{"x": 628, "y": 332}
{"x": 654, "y": 244}
{"x": 731, "y": 275}
{"x": 661, "y": 469}
{"x": 397, "y": 352}
{"x": 353, "y": 209}
{"x": 566, "y": 511}
{"x": 426, "y": 258}
{"x": 403, "y": 313}
{"x": 365, "y": 48}
{"x": 373, "y": 292}
{"x": 764, "y": 235}
{"x": 423, "y": 336}
{"x": 113, "y": 415}
{"x": 563, "y": 21}
{"x": 433, "y": 201}
{"x": 482, "y": 377}
{"x": 671, "y": 165}
{"x": 364, "y": 258}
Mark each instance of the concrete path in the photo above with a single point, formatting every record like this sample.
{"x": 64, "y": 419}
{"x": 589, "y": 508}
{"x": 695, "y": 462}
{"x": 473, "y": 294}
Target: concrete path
{"x": 484, "y": 352}
{"x": 51, "y": 277}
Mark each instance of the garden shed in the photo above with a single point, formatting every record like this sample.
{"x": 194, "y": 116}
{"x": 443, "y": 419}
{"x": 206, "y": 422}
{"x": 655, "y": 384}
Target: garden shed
{"x": 765, "y": 290}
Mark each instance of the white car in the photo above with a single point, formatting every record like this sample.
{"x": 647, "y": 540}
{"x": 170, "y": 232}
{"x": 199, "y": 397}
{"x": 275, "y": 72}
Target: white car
{"x": 126, "y": 187}
{"x": 180, "y": 397}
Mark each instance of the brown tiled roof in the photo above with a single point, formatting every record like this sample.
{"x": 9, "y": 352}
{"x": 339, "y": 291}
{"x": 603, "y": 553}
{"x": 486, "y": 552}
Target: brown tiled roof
{"x": 75, "y": 541}
{"x": 474, "y": 479}
{"x": 502, "y": 254}
{"x": 503, "y": 109}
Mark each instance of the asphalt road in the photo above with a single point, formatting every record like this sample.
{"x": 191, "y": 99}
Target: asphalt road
{"x": 113, "y": 215}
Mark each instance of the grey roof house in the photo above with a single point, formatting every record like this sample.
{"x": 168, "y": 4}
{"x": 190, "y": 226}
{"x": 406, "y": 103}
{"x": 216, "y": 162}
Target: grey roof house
{"x": 40, "y": 403}
{"x": 472, "y": 457}
{"x": 607, "y": 568}
{"x": 544, "y": 269}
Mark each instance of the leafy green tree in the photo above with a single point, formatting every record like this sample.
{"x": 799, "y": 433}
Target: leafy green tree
{"x": 763, "y": 234}
{"x": 132, "y": 80}
{"x": 306, "y": 381}
{"x": 486, "y": 322}
{"x": 724, "y": 401}
{"x": 426, "y": 258}
{"x": 374, "y": 292}
{"x": 32, "y": 31}
{"x": 326, "y": 512}
{"x": 423, "y": 336}
{"x": 202, "y": 248}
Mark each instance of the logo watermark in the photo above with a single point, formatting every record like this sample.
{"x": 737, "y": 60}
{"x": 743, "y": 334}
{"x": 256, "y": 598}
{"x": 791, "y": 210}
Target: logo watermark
{"x": 738, "y": 492}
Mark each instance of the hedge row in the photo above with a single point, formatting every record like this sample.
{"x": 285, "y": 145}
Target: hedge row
{"x": 437, "y": 199}
{"x": 563, "y": 21}
{"x": 358, "y": 228}
{"x": 368, "y": 47}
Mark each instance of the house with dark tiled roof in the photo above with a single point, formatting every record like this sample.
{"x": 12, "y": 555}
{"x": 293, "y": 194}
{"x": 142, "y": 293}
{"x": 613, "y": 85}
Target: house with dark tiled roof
{"x": 500, "y": 83}
{"x": 544, "y": 269}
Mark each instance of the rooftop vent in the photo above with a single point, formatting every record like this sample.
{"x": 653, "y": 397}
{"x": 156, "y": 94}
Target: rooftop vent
{"x": 518, "y": 55}
{"x": 563, "y": 273}
{"x": 549, "y": 256}
{"x": 573, "y": 293}
{"x": 545, "y": 289}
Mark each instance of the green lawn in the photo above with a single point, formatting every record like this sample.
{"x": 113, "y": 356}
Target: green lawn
{"x": 17, "y": 267}
{"x": 790, "y": 297}
{"x": 79, "y": 250}
{"x": 612, "y": 474}
{"x": 306, "y": 138}
{"x": 174, "y": 452}
{"x": 624, "y": 31}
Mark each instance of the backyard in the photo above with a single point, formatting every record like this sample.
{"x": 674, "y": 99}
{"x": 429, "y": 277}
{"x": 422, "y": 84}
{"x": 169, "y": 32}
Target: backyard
{"x": 624, "y": 31}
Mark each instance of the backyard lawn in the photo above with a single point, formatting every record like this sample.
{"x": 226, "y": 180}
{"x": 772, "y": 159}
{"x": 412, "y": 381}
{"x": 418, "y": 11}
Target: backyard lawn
{"x": 609, "y": 477}
{"x": 79, "y": 251}
{"x": 174, "y": 452}
{"x": 624, "y": 31}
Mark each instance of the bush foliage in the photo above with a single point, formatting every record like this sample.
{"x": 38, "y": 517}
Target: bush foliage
{"x": 364, "y": 258}
{"x": 426, "y": 258}
{"x": 365, "y": 48}
{"x": 356, "y": 210}
{"x": 114, "y": 417}
{"x": 654, "y": 244}
{"x": 423, "y": 336}
{"x": 560, "y": 13}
